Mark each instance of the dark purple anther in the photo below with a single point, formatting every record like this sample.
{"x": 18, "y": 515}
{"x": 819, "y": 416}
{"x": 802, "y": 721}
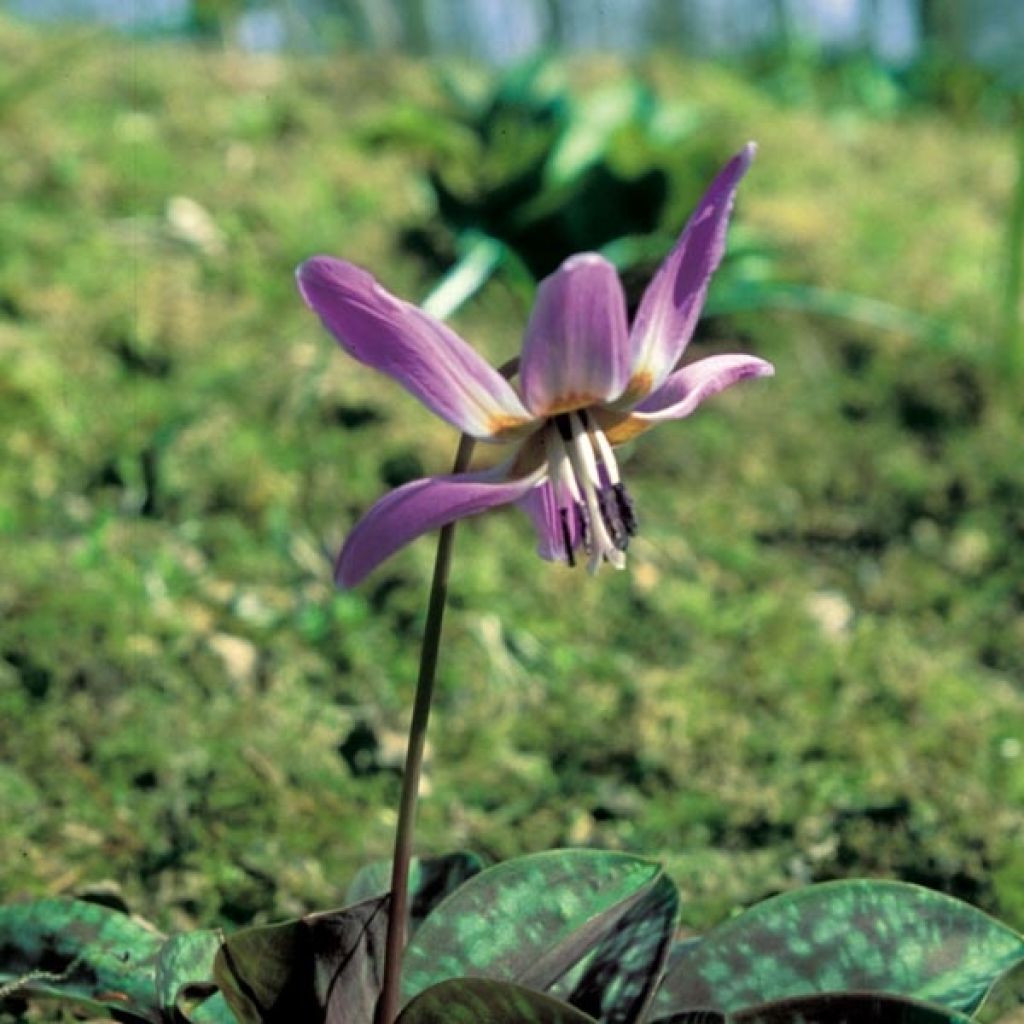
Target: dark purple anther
{"x": 627, "y": 509}
{"x": 583, "y": 525}
{"x": 563, "y": 517}
{"x": 608, "y": 503}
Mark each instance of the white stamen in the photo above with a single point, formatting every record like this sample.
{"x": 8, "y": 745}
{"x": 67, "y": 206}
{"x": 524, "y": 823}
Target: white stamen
{"x": 611, "y": 467}
{"x": 584, "y": 467}
{"x": 581, "y": 442}
{"x": 559, "y": 467}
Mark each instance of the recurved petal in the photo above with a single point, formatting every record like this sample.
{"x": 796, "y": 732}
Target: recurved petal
{"x": 576, "y": 351}
{"x": 422, "y": 354}
{"x": 404, "y": 514}
{"x": 683, "y": 392}
{"x": 673, "y": 300}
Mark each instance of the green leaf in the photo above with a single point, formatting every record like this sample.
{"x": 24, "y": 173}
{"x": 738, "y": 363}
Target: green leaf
{"x": 530, "y": 920}
{"x": 320, "y": 967}
{"x": 214, "y": 1010}
{"x": 617, "y": 980}
{"x": 828, "y": 1008}
{"x": 184, "y": 969}
{"x": 484, "y": 1001}
{"x": 1004, "y": 999}
{"x": 885, "y": 937}
{"x": 80, "y": 951}
{"x": 431, "y": 879}
{"x": 845, "y": 1007}
{"x": 696, "y": 1017}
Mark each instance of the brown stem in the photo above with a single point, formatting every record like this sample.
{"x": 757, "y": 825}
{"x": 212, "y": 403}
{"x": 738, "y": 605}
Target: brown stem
{"x": 387, "y": 1004}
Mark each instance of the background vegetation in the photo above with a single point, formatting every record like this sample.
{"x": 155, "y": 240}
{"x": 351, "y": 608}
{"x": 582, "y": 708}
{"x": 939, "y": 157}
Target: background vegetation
{"x": 812, "y": 668}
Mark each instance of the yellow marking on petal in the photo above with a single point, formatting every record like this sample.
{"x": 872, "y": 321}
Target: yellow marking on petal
{"x": 570, "y": 402}
{"x": 507, "y": 428}
{"x": 621, "y": 427}
{"x": 638, "y": 388}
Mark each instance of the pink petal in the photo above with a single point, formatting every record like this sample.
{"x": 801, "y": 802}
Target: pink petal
{"x": 576, "y": 351}
{"x": 421, "y": 353}
{"x": 541, "y": 504}
{"x": 685, "y": 389}
{"x": 420, "y": 506}
{"x": 673, "y": 300}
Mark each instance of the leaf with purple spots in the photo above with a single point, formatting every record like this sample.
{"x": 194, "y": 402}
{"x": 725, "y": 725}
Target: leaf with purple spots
{"x": 82, "y": 952}
{"x": 485, "y": 1001}
{"x": 554, "y": 921}
{"x": 851, "y": 936}
{"x": 431, "y": 879}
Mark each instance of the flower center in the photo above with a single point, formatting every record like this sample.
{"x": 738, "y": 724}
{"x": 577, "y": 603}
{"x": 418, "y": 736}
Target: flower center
{"x": 594, "y": 509}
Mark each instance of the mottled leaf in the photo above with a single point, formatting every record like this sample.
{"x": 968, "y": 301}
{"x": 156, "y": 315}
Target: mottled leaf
{"x": 184, "y": 969}
{"x": 828, "y": 1008}
{"x": 680, "y": 947}
{"x": 849, "y": 1008}
{"x": 485, "y": 1001}
{"x": 323, "y": 967}
{"x": 616, "y": 981}
{"x": 528, "y": 920}
{"x": 696, "y": 1017}
{"x": 431, "y": 879}
{"x": 82, "y": 952}
{"x": 885, "y": 937}
{"x": 213, "y": 1010}
{"x": 1005, "y": 1001}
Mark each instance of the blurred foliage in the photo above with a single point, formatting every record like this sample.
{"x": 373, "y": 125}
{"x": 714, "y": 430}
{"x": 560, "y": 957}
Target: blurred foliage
{"x": 524, "y": 172}
{"x": 811, "y": 670}
{"x": 520, "y": 159}
{"x": 801, "y": 72}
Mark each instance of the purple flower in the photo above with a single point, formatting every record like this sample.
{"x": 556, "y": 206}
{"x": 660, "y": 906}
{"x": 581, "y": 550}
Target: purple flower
{"x": 588, "y": 382}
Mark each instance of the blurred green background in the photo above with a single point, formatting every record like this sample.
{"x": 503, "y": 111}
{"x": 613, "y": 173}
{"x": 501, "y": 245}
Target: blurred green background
{"x": 814, "y": 665}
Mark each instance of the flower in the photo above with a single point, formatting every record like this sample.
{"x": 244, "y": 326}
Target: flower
{"x": 587, "y": 383}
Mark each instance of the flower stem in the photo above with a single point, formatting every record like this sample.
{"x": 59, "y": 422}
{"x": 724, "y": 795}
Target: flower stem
{"x": 387, "y": 1004}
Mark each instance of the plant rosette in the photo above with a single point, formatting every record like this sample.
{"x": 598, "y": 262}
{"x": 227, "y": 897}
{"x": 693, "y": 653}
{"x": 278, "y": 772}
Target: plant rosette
{"x": 563, "y": 937}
